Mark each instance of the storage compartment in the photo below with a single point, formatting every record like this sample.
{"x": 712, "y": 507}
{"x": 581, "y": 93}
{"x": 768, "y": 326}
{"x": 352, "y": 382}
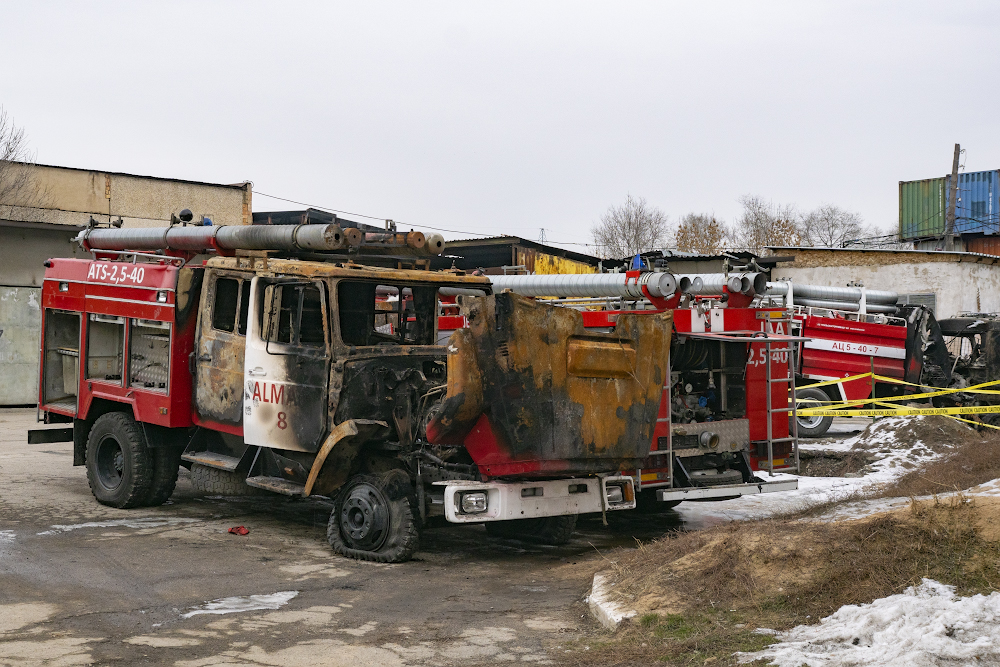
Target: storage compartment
{"x": 149, "y": 354}
{"x": 105, "y": 346}
{"x": 60, "y": 374}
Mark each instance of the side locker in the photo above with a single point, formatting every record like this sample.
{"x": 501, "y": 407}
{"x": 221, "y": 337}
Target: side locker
{"x": 287, "y": 364}
{"x": 220, "y": 347}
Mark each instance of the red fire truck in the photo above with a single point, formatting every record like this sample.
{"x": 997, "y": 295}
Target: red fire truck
{"x": 290, "y": 359}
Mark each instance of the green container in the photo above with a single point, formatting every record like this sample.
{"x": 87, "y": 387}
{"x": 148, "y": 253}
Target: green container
{"x": 922, "y": 208}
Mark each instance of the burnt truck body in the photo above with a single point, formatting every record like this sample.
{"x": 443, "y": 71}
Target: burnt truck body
{"x": 301, "y": 373}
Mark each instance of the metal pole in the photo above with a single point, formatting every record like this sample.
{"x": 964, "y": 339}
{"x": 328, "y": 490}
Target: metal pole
{"x": 949, "y": 230}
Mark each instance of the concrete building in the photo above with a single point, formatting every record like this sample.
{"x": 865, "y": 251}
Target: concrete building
{"x": 950, "y": 282}
{"x": 39, "y": 221}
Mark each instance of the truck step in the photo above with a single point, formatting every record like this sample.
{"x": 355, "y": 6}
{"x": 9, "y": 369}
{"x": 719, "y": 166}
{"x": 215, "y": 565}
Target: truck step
{"x": 212, "y": 460}
{"x": 278, "y": 485}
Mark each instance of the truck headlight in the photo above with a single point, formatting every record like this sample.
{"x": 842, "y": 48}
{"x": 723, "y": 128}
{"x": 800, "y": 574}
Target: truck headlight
{"x": 473, "y": 503}
{"x": 615, "y": 494}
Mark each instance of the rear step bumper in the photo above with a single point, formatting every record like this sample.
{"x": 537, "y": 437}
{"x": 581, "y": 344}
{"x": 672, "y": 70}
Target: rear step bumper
{"x": 534, "y": 499}
{"x": 726, "y": 490}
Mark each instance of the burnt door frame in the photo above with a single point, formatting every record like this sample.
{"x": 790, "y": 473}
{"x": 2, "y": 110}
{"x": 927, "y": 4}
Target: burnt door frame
{"x": 219, "y": 356}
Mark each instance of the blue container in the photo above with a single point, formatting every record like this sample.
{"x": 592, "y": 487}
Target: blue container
{"x": 977, "y": 210}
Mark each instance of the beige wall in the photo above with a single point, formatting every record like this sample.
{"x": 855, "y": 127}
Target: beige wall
{"x": 66, "y": 196}
{"x": 959, "y": 283}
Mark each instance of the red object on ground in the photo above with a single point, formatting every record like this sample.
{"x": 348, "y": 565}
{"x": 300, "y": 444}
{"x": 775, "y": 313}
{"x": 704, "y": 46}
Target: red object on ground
{"x": 239, "y": 530}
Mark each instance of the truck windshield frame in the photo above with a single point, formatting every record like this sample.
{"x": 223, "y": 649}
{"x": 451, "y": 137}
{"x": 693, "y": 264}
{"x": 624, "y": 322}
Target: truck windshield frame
{"x": 374, "y": 312}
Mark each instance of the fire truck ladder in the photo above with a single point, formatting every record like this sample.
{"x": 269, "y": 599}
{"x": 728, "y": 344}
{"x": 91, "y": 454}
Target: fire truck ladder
{"x": 787, "y": 344}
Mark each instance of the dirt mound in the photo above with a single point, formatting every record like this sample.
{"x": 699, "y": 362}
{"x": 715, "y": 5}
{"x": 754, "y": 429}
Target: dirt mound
{"x": 937, "y": 433}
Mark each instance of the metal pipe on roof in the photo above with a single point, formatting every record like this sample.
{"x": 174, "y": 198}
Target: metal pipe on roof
{"x": 713, "y": 283}
{"x": 845, "y": 305}
{"x": 846, "y": 294}
{"x": 227, "y": 237}
{"x": 659, "y": 285}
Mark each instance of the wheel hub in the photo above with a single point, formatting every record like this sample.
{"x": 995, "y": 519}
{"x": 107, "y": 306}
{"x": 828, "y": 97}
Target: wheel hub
{"x": 364, "y": 518}
{"x": 811, "y": 421}
{"x": 110, "y": 463}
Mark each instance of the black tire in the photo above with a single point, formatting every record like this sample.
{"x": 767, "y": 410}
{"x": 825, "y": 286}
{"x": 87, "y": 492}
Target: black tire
{"x": 221, "y": 482}
{"x": 374, "y": 518}
{"x": 166, "y": 465}
{"x": 812, "y": 427}
{"x": 553, "y": 530}
{"x": 119, "y": 461}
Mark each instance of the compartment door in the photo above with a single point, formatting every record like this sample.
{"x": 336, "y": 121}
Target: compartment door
{"x": 287, "y": 365}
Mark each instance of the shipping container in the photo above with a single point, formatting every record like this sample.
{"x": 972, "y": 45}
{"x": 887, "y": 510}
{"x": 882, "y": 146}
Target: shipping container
{"x": 923, "y": 205}
{"x": 921, "y": 208}
{"x": 987, "y": 245}
{"x": 977, "y": 208}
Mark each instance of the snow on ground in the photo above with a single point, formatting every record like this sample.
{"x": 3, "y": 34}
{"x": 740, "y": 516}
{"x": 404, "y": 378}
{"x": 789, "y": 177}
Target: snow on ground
{"x": 880, "y": 440}
{"x": 925, "y": 625}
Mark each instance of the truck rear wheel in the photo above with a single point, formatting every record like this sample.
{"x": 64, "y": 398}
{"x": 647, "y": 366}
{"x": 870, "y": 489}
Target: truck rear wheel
{"x": 221, "y": 482}
{"x": 166, "y": 465}
{"x": 552, "y": 530}
{"x": 119, "y": 462}
{"x": 374, "y": 518}
{"x": 812, "y": 426}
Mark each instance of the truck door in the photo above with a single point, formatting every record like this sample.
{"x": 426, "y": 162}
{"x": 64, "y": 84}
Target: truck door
{"x": 220, "y": 348}
{"x": 287, "y": 364}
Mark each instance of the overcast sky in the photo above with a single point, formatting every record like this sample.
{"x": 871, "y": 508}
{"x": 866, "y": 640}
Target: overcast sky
{"x": 511, "y": 117}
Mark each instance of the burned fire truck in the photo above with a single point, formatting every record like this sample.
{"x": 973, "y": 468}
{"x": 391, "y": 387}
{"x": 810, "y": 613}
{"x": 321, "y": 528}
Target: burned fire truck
{"x": 303, "y": 360}
{"x": 724, "y": 414}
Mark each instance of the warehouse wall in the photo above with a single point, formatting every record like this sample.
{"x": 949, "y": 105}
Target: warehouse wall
{"x": 958, "y": 286}
{"x": 66, "y": 196}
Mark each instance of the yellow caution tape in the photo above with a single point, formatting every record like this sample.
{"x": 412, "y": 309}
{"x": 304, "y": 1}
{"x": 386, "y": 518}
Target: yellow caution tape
{"x": 975, "y": 423}
{"x": 839, "y": 405}
{"x": 888, "y": 412}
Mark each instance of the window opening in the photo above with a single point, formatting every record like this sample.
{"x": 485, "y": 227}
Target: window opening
{"x": 227, "y": 291}
{"x": 149, "y": 354}
{"x": 244, "y": 307}
{"x": 105, "y": 346}
{"x": 295, "y": 315}
{"x": 373, "y": 314}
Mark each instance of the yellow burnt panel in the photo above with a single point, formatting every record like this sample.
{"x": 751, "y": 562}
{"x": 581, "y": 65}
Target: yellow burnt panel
{"x": 600, "y": 359}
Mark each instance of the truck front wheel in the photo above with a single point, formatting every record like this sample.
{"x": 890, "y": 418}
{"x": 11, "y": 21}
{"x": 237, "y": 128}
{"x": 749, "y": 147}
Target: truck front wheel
{"x": 812, "y": 426}
{"x": 552, "y": 530}
{"x": 119, "y": 462}
{"x": 374, "y": 518}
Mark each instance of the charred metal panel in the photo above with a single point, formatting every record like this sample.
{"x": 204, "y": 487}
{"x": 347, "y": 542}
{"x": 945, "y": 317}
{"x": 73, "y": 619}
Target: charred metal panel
{"x": 552, "y": 391}
{"x": 219, "y": 359}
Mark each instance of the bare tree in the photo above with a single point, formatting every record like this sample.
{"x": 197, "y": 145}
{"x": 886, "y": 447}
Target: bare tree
{"x": 633, "y": 227}
{"x": 831, "y": 226}
{"x": 701, "y": 234}
{"x": 16, "y": 185}
{"x": 763, "y": 224}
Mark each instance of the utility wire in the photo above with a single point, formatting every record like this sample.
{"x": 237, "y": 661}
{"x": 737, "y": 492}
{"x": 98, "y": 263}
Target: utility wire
{"x": 372, "y": 217}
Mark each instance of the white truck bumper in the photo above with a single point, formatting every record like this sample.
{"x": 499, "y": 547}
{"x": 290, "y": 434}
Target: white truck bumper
{"x": 726, "y": 491}
{"x": 476, "y": 502}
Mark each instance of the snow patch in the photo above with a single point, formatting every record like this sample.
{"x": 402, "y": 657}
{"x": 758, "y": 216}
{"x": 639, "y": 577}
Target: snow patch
{"x": 148, "y": 522}
{"x": 925, "y": 625}
{"x": 236, "y": 605}
{"x": 7, "y": 536}
{"x": 602, "y": 607}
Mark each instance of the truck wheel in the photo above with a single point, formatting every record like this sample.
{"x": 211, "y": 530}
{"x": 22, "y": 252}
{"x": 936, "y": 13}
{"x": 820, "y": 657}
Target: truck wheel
{"x": 166, "y": 465}
{"x": 373, "y": 518}
{"x": 221, "y": 482}
{"x": 119, "y": 462}
{"x": 812, "y": 426}
{"x": 551, "y": 530}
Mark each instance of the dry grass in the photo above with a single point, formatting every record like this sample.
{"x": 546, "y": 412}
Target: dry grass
{"x": 974, "y": 460}
{"x": 702, "y": 594}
